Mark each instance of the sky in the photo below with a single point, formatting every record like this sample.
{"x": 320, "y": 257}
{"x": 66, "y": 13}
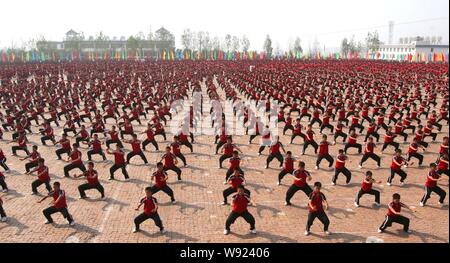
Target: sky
{"x": 327, "y": 21}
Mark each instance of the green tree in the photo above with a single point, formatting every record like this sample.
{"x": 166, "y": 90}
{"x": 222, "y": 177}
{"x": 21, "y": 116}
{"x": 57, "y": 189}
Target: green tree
{"x": 298, "y": 46}
{"x": 268, "y": 46}
{"x": 132, "y": 43}
{"x": 245, "y": 43}
{"x": 373, "y": 41}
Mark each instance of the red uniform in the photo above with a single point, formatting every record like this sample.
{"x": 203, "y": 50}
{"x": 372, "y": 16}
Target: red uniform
{"x": 303, "y": 175}
{"x": 149, "y": 205}
{"x": 399, "y": 160}
{"x": 316, "y": 200}
{"x": 160, "y": 179}
{"x": 431, "y": 183}
{"x": 240, "y": 203}
{"x": 323, "y": 148}
{"x": 92, "y": 177}
{"x": 61, "y": 194}
{"x": 340, "y": 161}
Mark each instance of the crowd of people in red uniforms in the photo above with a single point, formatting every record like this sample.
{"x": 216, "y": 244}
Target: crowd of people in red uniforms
{"x": 350, "y": 100}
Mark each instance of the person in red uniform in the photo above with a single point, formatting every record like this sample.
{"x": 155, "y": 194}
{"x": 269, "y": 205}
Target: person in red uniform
{"x": 150, "y": 212}
{"x": 75, "y": 159}
{"x": 303, "y": 112}
{"x": 3, "y": 183}
{"x": 33, "y": 158}
{"x": 136, "y": 149}
{"x": 355, "y": 123}
{"x": 324, "y": 152}
{"x": 113, "y": 137}
{"x": 420, "y": 135}
{"x": 394, "y": 215}
{"x": 339, "y": 132}
{"x": 239, "y": 209}
{"x": 69, "y": 126}
{"x": 316, "y": 117}
{"x": 235, "y": 164}
{"x": 65, "y": 146}
{"x": 235, "y": 180}
{"x": 444, "y": 146}
{"x": 159, "y": 129}
{"x": 317, "y": 205}
{"x": 310, "y": 140}
{"x": 341, "y": 159}
{"x": 396, "y": 167}
{"x": 352, "y": 142}
{"x": 288, "y": 125}
{"x": 170, "y": 162}
{"x": 222, "y": 138}
{"x": 443, "y": 164}
{"x": 366, "y": 188}
{"x": 59, "y": 205}
{"x": 183, "y": 138}
{"x": 326, "y": 123}
{"x": 42, "y": 177}
{"x": 82, "y": 135}
{"x": 369, "y": 149}
{"x": 381, "y": 123}
{"x": 258, "y": 126}
{"x": 275, "y": 152}
{"x": 119, "y": 162}
{"x": 176, "y": 150}
{"x": 227, "y": 151}
{"x": 433, "y": 120}
{"x": 21, "y": 141}
{"x": 372, "y": 131}
{"x": 150, "y": 138}
{"x": 297, "y": 131}
{"x": 431, "y": 185}
{"x": 413, "y": 149}
{"x": 301, "y": 176}
{"x": 3, "y": 217}
{"x": 288, "y": 166}
{"x": 399, "y": 130}
{"x": 96, "y": 148}
{"x": 428, "y": 132}
{"x": 47, "y": 134}
{"x": 389, "y": 140}
{"x": 160, "y": 177}
{"x": 127, "y": 129}
{"x": 3, "y": 161}
{"x": 92, "y": 182}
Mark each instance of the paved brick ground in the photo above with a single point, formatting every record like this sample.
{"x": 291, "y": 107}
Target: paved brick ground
{"x": 197, "y": 217}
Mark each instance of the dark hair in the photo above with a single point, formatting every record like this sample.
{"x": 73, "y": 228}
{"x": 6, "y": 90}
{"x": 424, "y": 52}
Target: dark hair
{"x": 148, "y": 189}
{"x": 318, "y": 184}
{"x": 288, "y": 152}
{"x": 396, "y": 196}
{"x": 433, "y": 165}
{"x": 301, "y": 164}
{"x": 159, "y": 164}
{"x": 57, "y": 184}
{"x": 369, "y": 173}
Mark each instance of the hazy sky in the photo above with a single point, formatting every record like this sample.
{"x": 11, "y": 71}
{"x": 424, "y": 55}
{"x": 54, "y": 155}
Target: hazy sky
{"x": 284, "y": 20}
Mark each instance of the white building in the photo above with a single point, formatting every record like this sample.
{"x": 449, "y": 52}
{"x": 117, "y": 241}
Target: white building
{"x": 418, "y": 51}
